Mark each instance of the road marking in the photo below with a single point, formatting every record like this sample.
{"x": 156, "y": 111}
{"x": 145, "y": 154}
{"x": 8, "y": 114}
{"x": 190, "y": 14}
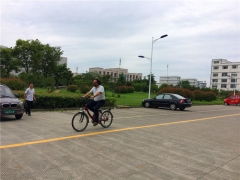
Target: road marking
{"x": 111, "y": 131}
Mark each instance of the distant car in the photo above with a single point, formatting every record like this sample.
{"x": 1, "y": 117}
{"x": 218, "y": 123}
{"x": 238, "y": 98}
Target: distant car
{"x": 232, "y": 100}
{"x": 168, "y": 100}
{"x": 10, "y": 104}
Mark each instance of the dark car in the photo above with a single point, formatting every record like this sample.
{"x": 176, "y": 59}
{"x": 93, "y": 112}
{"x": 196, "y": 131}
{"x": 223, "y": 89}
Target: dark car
{"x": 9, "y": 103}
{"x": 168, "y": 100}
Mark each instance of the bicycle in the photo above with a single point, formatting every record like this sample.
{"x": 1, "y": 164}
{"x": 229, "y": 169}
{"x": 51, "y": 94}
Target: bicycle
{"x": 81, "y": 119}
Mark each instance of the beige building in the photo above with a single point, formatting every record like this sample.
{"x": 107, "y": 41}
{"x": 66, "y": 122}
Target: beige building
{"x": 115, "y": 73}
{"x": 225, "y": 74}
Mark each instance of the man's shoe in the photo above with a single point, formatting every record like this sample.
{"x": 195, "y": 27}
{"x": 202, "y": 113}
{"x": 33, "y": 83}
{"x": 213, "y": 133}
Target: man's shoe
{"x": 95, "y": 123}
{"x": 29, "y": 114}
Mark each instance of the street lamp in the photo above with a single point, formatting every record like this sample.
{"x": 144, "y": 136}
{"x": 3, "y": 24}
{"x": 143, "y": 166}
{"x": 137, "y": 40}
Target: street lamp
{"x": 153, "y": 41}
{"x": 234, "y": 82}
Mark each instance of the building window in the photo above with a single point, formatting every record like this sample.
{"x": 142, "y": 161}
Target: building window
{"x": 214, "y": 80}
{"x": 216, "y": 62}
{"x": 225, "y": 67}
{"x": 214, "y": 85}
{"x": 224, "y": 80}
{"x": 223, "y": 86}
{"x": 224, "y": 74}
{"x": 232, "y": 86}
{"x": 233, "y": 80}
{"x": 215, "y": 74}
{"x": 234, "y": 66}
{"x": 234, "y": 74}
{"x": 215, "y": 67}
{"x": 99, "y": 72}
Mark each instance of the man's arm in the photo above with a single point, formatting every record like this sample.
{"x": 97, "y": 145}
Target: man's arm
{"x": 87, "y": 94}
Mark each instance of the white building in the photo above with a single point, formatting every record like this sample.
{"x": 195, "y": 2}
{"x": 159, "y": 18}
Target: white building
{"x": 192, "y": 81}
{"x": 202, "y": 84}
{"x": 225, "y": 74}
{"x": 115, "y": 73}
{"x": 170, "y": 80}
{"x": 174, "y": 80}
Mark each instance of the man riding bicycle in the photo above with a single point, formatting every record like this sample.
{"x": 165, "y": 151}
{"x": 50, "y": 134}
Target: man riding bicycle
{"x": 98, "y": 99}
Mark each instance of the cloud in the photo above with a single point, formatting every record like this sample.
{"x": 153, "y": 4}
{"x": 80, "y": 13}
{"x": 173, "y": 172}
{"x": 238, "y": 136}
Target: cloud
{"x": 99, "y": 33}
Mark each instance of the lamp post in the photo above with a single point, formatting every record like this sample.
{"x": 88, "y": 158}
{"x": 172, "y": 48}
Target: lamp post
{"x": 150, "y": 77}
{"x": 234, "y": 82}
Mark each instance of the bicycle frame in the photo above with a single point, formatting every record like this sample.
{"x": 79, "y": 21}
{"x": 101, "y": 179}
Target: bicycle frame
{"x": 88, "y": 113}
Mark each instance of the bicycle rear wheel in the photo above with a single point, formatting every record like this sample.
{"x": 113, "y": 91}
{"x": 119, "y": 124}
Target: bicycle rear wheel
{"x": 80, "y": 121}
{"x": 106, "y": 119}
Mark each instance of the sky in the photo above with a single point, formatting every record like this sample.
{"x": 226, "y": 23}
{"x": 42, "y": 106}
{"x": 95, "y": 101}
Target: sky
{"x": 100, "y": 33}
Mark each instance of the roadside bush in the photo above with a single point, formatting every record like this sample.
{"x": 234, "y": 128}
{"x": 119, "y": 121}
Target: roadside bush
{"x": 130, "y": 89}
{"x": 54, "y": 101}
{"x": 72, "y": 88}
{"x": 13, "y": 83}
{"x": 209, "y": 96}
{"x": 121, "y": 89}
{"x": 198, "y": 95}
{"x": 84, "y": 89}
{"x": 181, "y": 91}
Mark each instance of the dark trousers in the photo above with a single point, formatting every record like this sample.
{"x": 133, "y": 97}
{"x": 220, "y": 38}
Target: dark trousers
{"x": 94, "y": 106}
{"x": 29, "y": 106}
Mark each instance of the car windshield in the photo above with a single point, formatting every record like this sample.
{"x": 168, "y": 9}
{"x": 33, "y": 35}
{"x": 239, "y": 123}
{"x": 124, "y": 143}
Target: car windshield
{"x": 6, "y": 92}
{"x": 178, "y": 96}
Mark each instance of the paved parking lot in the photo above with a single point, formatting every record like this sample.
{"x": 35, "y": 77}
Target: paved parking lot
{"x": 202, "y": 142}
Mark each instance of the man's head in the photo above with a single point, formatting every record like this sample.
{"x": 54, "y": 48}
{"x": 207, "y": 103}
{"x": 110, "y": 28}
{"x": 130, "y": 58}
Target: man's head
{"x": 31, "y": 85}
{"x": 96, "y": 82}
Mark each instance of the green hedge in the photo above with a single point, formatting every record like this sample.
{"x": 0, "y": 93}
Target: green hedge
{"x": 54, "y": 101}
{"x": 72, "y": 88}
{"x": 124, "y": 89}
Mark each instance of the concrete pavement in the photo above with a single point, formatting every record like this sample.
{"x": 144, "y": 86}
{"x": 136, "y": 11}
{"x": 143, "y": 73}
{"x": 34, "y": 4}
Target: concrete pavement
{"x": 202, "y": 142}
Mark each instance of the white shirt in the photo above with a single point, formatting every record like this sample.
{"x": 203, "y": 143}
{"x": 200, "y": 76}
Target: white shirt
{"x": 101, "y": 96}
{"x": 29, "y": 93}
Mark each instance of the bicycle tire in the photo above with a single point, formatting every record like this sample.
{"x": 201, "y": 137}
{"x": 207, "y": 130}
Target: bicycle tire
{"x": 106, "y": 119}
{"x": 80, "y": 121}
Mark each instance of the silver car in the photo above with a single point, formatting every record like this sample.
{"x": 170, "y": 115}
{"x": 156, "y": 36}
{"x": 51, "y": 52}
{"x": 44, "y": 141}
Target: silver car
{"x": 9, "y": 103}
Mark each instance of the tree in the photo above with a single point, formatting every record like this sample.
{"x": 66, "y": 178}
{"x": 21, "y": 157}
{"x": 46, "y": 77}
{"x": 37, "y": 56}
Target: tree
{"x": 27, "y": 52}
{"x": 8, "y": 62}
{"x": 184, "y": 84}
{"x": 50, "y": 59}
{"x": 121, "y": 80}
{"x": 62, "y": 73}
{"x": 152, "y": 79}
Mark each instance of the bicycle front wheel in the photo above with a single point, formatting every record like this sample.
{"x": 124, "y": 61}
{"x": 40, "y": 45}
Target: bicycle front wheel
{"x": 80, "y": 121}
{"x": 106, "y": 119}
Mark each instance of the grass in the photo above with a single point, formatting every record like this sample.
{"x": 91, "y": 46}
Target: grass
{"x": 130, "y": 99}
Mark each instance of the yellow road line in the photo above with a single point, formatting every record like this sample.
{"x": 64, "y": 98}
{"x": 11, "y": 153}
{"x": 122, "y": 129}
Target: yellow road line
{"x": 111, "y": 131}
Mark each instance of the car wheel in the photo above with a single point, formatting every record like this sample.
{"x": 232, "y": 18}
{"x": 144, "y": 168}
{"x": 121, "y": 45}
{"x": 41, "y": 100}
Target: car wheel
{"x": 18, "y": 116}
{"x": 182, "y": 108}
{"x": 225, "y": 104}
{"x": 147, "y": 104}
{"x": 173, "y": 106}
{"x": 238, "y": 104}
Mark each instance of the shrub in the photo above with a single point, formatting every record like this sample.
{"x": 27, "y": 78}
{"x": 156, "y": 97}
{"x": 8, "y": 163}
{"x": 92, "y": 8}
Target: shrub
{"x": 54, "y": 101}
{"x": 124, "y": 89}
{"x": 130, "y": 89}
{"x": 84, "y": 89}
{"x": 13, "y": 83}
{"x": 72, "y": 88}
{"x": 209, "y": 96}
{"x": 198, "y": 95}
{"x": 181, "y": 91}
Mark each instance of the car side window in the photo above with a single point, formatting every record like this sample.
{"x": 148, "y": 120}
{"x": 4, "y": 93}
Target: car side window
{"x": 167, "y": 96}
{"x": 159, "y": 96}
